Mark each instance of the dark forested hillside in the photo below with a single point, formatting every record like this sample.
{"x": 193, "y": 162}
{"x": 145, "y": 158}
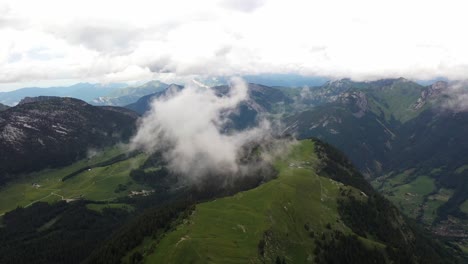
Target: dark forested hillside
{"x": 50, "y": 131}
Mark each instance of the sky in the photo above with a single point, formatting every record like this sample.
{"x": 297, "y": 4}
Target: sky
{"x": 49, "y": 43}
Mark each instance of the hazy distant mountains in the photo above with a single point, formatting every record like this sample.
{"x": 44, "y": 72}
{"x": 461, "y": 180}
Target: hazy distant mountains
{"x": 129, "y": 95}
{"x": 83, "y": 91}
{"x": 115, "y": 94}
{"x": 120, "y": 94}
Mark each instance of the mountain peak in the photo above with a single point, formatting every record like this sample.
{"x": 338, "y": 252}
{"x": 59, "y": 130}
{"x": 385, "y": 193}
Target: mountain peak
{"x": 439, "y": 85}
{"x": 154, "y": 83}
{"x": 339, "y": 83}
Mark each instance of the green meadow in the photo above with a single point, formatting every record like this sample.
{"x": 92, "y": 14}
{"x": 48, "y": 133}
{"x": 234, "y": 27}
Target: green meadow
{"x": 97, "y": 184}
{"x": 409, "y": 197}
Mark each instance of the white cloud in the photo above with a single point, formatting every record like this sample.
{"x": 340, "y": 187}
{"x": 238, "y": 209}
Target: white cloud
{"x": 363, "y": 39}
{"x": 129, "y": 74}
{"x": 187, "y": 125}
{"x": 243, "y": 5}
{"x": 456, "y": 97}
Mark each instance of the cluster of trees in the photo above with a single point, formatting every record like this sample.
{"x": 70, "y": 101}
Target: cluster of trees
{"x": 151, "y": 223}
{"x": 337, "y": 166}
{"x": 55, "y": 233}
{"x": 379, "y": 219}
{"x": 158, "y": 179}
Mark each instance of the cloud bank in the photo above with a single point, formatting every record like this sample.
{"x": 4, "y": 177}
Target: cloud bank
{"x": 104, "y": 41}
{"x": 456, "y": 97}
{"x": 187, "y": 126}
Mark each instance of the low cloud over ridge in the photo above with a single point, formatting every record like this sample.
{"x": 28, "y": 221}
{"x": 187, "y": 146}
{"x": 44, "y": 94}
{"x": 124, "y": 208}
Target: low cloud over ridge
{"x": 187, "y": 126}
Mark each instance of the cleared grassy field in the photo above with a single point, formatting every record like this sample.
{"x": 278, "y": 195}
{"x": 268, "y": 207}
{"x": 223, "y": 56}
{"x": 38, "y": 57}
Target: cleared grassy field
{"x": 95, "y": 184}
{"x": 433, "y": 202}
{"x": 229, "y": 230}
{"x": 409, "y": 197}
{"x": 415, "y": 195}
{"x": 389, "y": 181}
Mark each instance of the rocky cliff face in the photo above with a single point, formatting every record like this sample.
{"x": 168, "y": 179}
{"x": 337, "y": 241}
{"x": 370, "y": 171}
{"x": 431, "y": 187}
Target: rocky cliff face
{"x": 431, "y": 92}
{"x": 357, "y": 101}
{"x": 52, "y": 131}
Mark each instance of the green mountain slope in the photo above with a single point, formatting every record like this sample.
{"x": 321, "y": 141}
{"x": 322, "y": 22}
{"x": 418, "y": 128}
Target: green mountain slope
{"x": 302, "y": 216}
{"x": 400, "y": 135}
{"x": 318, "y": 205}
{"x": 393, "y": 99}
{"x": 97, "y": 178}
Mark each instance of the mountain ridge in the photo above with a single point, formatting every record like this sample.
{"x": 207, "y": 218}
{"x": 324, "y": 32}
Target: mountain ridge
{"x": 305, "y": 214}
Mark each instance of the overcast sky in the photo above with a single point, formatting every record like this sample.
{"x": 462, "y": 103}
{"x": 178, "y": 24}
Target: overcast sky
{"x": 50, "y": 42}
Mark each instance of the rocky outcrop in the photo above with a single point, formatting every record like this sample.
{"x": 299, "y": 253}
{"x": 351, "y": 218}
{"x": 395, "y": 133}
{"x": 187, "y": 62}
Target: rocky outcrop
{"x": 431, "y": 92}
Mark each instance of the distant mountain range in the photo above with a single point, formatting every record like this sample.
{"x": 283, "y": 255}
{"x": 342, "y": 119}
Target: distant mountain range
{"x": 83, "y": 91}
{"x": 120, "y": 94}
